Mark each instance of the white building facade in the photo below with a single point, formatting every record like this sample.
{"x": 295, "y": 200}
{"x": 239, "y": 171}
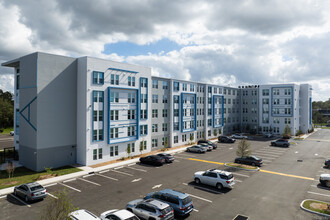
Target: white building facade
{"x": 90, "y": 111}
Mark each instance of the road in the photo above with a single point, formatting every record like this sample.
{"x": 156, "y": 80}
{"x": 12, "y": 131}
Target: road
{"x": 288, "y": 176}
{"x": 6, "y": 140}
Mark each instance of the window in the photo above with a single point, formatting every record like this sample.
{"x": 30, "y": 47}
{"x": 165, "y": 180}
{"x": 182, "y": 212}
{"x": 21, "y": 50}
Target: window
{"x": 164, "y": 98}
{"x": 143, "y": 129}
{"x": 114, "y": 79}
{"x": 209, "y": 89}
{"x": 176, "y": 86}
{"x": 155, "y": 113}
{"x": 276, "y": 101}
{"x": 131, "y": 81}
{"x": 130, "y": 97}
{"x": 154, "y": 143}
{"x": 100, "y": 153}
{"x": 165, "y": 85}
{"x": 209, "y": 111}
{"x": 164, "y": 113}
{"x": 155, "y": 128}
{"x": 98, "y": 78}
{"x": 184, "y": 86}
{"x": 113, "y": 151}
{"x": 209, "y": 133}
{"x": 276, "y": 111}
{"x": 131, "y": 147}
{"x": 287, "y": 101}
{"x": 176, "y": 112}
{"x": 95, "y": 115}
{"x": 176, "y": 139}
{"x": 164, "y": 127}
{"x": 114, "y": 97}
{"x": 176, "y": 99}
{"x": 155, "y": 84}
{"x": 209, "y": 122}
{"x": 265, "y": 101}
{"x": 95, "y": 154}
{"x": 265, "y": 92}
{"x": 192, "y": 87}
{"x": 130, "y": 114}
{"x": 164, "y": 141}
{"x": 113, "y": 132}
{"x": 144, "y": 98}
{"x": 98, "y": 135}
{"x": 131, "y": 131}
{"x": 215, "y": 90}
{"x": 143, "y": 114}
{"x": 97, "y": 96}
{"x": 276, "y": 91}
{"x": 276, "y": 120}
{"x": 143, "y": 145}
{"x": 287, "y": 111}
{"x": 265, "y": 120}
{"x": 287, "y": 91}
{"x": 184, "y": 138}
{"x": 176, "y": 126}
{"x": 144, "y": 82}
{"x": 154, "y": 98}
{"x": 114, "y": 115}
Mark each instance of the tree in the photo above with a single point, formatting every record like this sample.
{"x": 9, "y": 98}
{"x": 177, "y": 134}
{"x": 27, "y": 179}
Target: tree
{"x": 243, "y": 148}
{"x": 215, "y": 132}
{"x": 141, "y": 147}
{"x": 10, "y": 168}
{"x": 58, "y": 209}
{"x": 128, "y": 150}
{"x": 6, "y": 113}
{"x": 287, "y": 131}
{"x": 166, "y": 143}
{"x": 219, "y": 131}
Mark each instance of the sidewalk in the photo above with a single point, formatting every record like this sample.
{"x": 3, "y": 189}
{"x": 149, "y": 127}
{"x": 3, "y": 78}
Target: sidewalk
{"x": 88, "y": 170}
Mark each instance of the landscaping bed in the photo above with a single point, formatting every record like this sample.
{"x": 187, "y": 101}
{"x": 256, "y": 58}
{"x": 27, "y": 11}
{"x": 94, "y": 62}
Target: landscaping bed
{"x": 317, "y": 206}
{"x": 241, "y": 166}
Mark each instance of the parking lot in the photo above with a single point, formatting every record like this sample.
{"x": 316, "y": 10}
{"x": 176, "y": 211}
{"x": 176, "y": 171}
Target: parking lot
{"x": 288, "y": 176}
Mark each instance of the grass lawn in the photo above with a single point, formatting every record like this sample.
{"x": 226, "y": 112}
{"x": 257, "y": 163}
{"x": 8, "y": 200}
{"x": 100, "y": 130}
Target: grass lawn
{"x": 24, "y": 175}
{"x": 242, "y": 166}
{"x": 317, "y": 206}
{"x": 7, "y": 130}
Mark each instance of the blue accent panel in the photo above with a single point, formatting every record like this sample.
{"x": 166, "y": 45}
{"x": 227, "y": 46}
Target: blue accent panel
{"x": 213, "y": 110}
{"x": 28, "y": 119}
{"x": 292, "y": 100}
{"x": 195, "y": 112}
{"x": 310, "y": 110}
{"x": 223, "y": 114}
{"x": 28, "y": 87}
{"x": 93, "y": 116}
{"x": 127, "y": 71}
{"x": 138, "y": 93}
{"x": 141, "y": 79}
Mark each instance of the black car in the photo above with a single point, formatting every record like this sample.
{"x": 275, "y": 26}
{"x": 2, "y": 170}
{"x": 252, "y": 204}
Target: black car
{"x": 168, "y": 157}
{"x": 327, "y": 163}
{"x": 226, "y": 139}
{"x": 153, "y": 160}
{"x": 208, "y": 142}
{"x": 250, "y": 160}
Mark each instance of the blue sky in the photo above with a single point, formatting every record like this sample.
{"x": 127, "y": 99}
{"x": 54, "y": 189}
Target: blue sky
{"x": 133, "y": 49}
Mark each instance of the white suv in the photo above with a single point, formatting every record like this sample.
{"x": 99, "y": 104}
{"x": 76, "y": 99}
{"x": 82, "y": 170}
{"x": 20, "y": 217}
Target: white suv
{"x": 214, "y": 177}
{"x": 325, "y": 179}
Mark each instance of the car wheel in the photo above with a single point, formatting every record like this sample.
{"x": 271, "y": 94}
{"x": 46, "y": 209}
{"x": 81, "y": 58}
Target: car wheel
{"x": 200, "y": 151}
{"x": 253, "y": 164}
{"x": 327, "y": 183}
{"x": 197, "y": 181}
{"x": 130, "y": 210}
{"x": 285, "y": 145}
{"x": 15, "y": 192}
{"x": 26, "y": 199}
{"x": 188, "y": 150}
{"x": 219, "y": 186}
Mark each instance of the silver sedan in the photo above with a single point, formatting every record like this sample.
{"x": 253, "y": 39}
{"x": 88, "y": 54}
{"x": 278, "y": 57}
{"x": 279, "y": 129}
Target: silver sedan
{"x": 197, "y": 149}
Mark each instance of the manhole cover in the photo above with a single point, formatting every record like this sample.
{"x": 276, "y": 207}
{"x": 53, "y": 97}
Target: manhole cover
{"x": 240, "y": 217}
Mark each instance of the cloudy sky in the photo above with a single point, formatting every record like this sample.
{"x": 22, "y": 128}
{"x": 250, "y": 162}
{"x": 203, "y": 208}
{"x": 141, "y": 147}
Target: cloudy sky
{"x": 234, "y": 43}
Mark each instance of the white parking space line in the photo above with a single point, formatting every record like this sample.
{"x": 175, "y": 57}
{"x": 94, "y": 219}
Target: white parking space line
{"x": 267, "y": 152}
{"x": 107, "y": 177}
{"x": 51, "y": 195}
{"x": 195, "y": 210}
{"x": 236, "y": 180}
{"x": 70, "y": 180}
{"x": 186, "y": 184}
{"x": 321, "y": 187}
{"x": 128, "y": 174}
{"x": 181, "y": 157}
{"x": 187, "y": 155}
{"x": 53, "y": 184}
{"x": 116, "y": 168}
{"x": 238, "y": 174}
{"x": 230, "y": 148}
{"x": 133, "y": 168}
{"x": 274, "y": 150}
{"x": 132, "y": 164}
{"x": 92, "y": 174}
{"x": 320, "y": 194}
{"x": 18, "y": 199}
{"x": 70, "y": 187}
{"x": 3, "y": 196}
{"x": 197, "y": 197}
{"x": 104, "y": 171}
{"x": 263, "y": 156}
{"x": 89, "y": 181}
{"x": 267, "y": 161}
{"x": 177, "y": 161}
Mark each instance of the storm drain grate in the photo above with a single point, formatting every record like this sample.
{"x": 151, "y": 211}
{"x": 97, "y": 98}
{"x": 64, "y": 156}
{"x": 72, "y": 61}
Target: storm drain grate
{"x": 240, "y": 217}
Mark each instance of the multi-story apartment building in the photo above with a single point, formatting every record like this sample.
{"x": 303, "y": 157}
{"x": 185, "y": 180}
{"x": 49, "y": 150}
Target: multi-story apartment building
{"x": 89, "y": 110}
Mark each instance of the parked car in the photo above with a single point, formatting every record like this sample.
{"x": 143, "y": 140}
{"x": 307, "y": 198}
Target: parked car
{"x": 281, "y": 143}
{"x": 30, "y": 191}
{"x": 327, "y": 163}
{"x": 250, "y": 160}
{"x": 116, "y": 214}
{"x": 153, "y": 160}
{"x": 150, "y": 209}
{"x": 214, "y": 145}
{"x": 12, "y": 133}
{"x": 180, "y": 202}
{"x": 196, "y": 148}
{"x": 83, "y": 214}
{"x": 268, "y": 135}
{"x": 206, "y": 146}
{"x": 226, "y": 139}
{"x": 239, "y": 136}
{"x": 215, "y": 177}
{"x": 325, "y": 179}
{"x": 168, "y": 157}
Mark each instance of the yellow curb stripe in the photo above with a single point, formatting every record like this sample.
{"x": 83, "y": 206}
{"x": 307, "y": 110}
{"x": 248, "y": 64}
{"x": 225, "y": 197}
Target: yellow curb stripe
{"x": 289, "y": 175}
{"x": 206, "y": 161}
{"x": 264, "y": 171}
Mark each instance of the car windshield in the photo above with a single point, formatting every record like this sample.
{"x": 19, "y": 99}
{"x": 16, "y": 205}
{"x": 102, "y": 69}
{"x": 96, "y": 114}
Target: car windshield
{"x": 34, "y": 188}
{"x": 256, "y": 158}
{"x": 132, "y": 218}
{"x": 209, "y": 142}
{"x": 166, "y": 210}
{"x": 186, "y": 200}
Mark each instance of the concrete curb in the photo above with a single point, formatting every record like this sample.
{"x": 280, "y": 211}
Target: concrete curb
{"x": 311, "y": 211}
{"x": 242, "y": 168}
{"x": 86, "y": 172}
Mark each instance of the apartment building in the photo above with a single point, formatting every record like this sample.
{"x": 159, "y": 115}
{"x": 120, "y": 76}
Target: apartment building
{"x": 88, "y": 110}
